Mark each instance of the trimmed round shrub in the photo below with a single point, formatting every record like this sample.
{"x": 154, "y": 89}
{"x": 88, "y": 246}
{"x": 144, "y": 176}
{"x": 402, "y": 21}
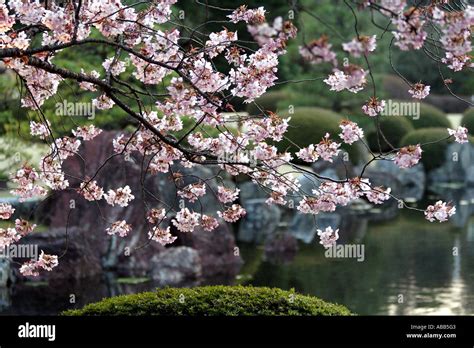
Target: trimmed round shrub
{"x": 430, "y": 117}
{"x": 394, "y": 87}
{"x": 468, "y": 120}
{"x": 212, "y": 301}
{"x": 393, "y": 128}
{"x": 308, "y": 125}
{"x": 433, "y": 155}
{"x": 267, "y": 102}
{"x": 448, "y": 103}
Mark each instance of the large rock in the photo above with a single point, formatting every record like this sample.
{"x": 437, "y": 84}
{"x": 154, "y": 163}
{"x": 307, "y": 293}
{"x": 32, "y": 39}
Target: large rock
{"x": 340, "y": 166}
{"x": 280, "y": 248}
{"x": 250, "y": 190}
{"x": 176, "y": 267}
{"x": 408, "y": 183}
{"x": 81, "y": 252}
{"x": 304, "y": 226}
{"x": 260, "y": 221}
{"x": 87, "y": 248}
{"x": 458, "y": 165}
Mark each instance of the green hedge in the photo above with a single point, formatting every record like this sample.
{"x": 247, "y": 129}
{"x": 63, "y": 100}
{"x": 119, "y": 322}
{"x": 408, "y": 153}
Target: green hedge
{"x": 393, "y": 128}
{"x": 212, "y": 301}
{"x": 433, "y": 155}
{"x": 395, "y": 88}
{"x": 267, "y": 102}
{"x": 468, "y": 120}
{"x": 430, "y": 117}
{"x": 308, "y": 125}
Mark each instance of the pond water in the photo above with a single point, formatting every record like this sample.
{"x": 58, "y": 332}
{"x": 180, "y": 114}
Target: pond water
{"x": 411, "y": 267}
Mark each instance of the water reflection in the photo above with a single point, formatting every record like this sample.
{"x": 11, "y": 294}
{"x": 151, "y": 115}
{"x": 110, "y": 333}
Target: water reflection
{"x": 411, "y": 267}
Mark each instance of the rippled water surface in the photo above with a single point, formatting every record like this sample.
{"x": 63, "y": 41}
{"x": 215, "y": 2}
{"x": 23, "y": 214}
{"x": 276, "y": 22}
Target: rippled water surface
{"x": 411, "y": 267}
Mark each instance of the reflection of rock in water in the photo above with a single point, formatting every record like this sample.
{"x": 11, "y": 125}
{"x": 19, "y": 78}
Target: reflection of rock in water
{"x": 5, "y": 298}
{"x": 5, "y": 272}
{"x": 463, "y": 200}
{"x": 280, "y": 248}
{"x": 41, "y": 298}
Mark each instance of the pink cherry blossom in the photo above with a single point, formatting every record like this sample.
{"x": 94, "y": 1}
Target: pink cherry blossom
{"x": 27, "y": 179}
{"x": 8, "y": 236}
{"x": 39, "y": 129}
{"x": 328, "y": 237}
{"x": 351, "y": 132}
{"x": 155, "y": 216}
{"x": 373, "y": 107}
{"x": 252, "y": 16}
{"x": 6, "y": 21}
{"x": 408, "y": 156}
{"x": 308, "y": 154}
{"x": 193, "y": 191}
{"x": 119, "y": 227}
{"x": 162, "y": 236}
{"x": 419, "y": 91}
{"x": 23, "y": 227}
{"x": 460, "y": 134}
{"x": 440, "y": 211}
{"x": 103, "y": 102}
{"x": 87, "y": 132}
{"x": 360, "y": 46}
{"x": 186, "y": 221}
{"x": 67, "y": 147}
{"x": 46, "y": 261}
{"x": 120, "y": 196}
{"x": 226, "y": 195}
{"x": 378, "y": 195}
{"x": 30, "y": 268}
{"x": 209, "y": 223}
{"x": 219, "y": 41}
{"x": 318, "y": 51}
{"x": 6, "y": 211}
{"x": 410, "y": 33}
{"x": 115, "y": 66}
{"x": 234, "y": 213}
{"x": 327, "y": 148}
{"x": 394, "y": 6}
{"x": 352, "y": 78}
{"x": 91, "y": 191}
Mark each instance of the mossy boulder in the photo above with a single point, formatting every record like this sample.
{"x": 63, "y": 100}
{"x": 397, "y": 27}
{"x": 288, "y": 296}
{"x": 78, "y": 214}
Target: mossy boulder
{"x": 393, "y": 129}
{"x": 212, "y": 301}
{"x": 308, "y": 125}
